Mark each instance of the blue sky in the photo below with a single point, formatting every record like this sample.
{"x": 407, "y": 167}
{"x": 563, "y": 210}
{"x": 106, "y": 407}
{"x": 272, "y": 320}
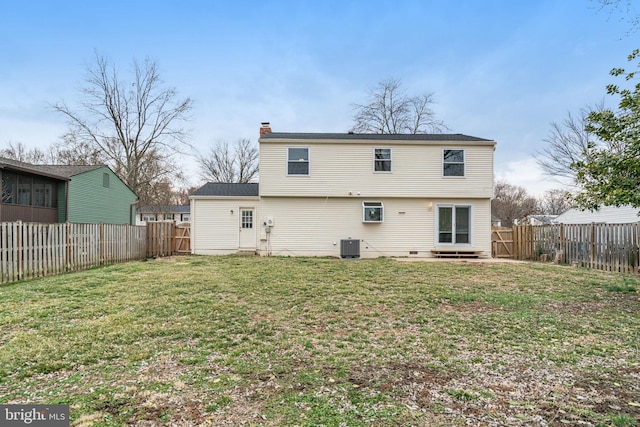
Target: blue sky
{"x": 502, "y": 70}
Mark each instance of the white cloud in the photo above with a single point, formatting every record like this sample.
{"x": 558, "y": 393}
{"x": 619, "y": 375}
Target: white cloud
{"x": 526, "y": 173}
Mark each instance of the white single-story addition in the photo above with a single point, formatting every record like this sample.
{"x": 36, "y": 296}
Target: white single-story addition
{"x": 604, "y": 215}
{"x": 354, "y": 195}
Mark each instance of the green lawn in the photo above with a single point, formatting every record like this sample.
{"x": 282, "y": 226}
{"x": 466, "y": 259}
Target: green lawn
{"x": 315, "y": 341}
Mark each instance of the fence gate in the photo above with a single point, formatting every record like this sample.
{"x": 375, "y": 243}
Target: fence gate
{"x": 183, "y": 239}
{"x": 502, "y": 242}
{"x": 165, "y": 238}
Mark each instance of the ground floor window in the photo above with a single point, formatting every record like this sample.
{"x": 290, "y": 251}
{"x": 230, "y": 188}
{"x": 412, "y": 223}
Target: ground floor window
{"x": 454, "y": 224}
{"x": 372, "y": 212}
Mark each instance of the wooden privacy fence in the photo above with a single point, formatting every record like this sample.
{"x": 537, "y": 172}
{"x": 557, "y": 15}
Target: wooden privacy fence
{"x": 165, "y": 238}
{"x": 609, "y": 247}
{"x": 29, "y": 250}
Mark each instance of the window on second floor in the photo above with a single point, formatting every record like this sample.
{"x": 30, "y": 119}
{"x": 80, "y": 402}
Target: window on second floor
{"x": 382, "y": 159}
{"x": 452, "y": 162}
{"x": 297, "y": 161}
{"x": 105, "y": 180}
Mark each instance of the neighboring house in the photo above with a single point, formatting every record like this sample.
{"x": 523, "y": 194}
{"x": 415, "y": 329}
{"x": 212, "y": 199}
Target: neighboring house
{"x": 327, "y": 194}
{"x": 177, "y": 213}
{"x": 59, "y": 193}
{"x": 538, "y": 220}
{"x": 31, "y": 195}
{"x": 604, "y": 215}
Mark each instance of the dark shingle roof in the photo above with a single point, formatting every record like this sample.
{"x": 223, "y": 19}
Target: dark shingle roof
{"x": 56, "y": 171}
{"x": 370, "y": 136}
{"x": 67, "y": 170}
{"x": 29, "y": 168}
{"x": 227, "y": 189}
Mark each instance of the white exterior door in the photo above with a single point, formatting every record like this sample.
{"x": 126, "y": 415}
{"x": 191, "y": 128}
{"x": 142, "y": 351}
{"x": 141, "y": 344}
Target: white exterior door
{"x": 247, "y": 228}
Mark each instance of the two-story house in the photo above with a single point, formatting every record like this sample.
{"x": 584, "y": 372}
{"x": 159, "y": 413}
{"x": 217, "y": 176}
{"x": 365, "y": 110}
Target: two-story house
{"x": 354, "y": 195}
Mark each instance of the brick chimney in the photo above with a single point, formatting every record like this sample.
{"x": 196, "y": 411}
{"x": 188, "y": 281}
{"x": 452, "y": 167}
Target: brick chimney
{"x": 265, "y": 129}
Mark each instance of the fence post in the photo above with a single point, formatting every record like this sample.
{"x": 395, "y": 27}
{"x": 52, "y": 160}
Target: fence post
{"x": 561, "y": 243}
{"x": 20, "y": 249}
{"x": 101, "y": 245}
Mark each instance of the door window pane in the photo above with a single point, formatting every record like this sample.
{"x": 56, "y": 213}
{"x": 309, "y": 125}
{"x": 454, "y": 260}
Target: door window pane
{"x": 462, "y": 224}
{"x": 247, "y": 219}
{"x": 445, "y": 225}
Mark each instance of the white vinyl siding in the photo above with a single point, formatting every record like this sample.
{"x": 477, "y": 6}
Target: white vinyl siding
{"x": 340, "y": 169}
{"x": 315, "y": 226}
{"x": 215, "y": 224}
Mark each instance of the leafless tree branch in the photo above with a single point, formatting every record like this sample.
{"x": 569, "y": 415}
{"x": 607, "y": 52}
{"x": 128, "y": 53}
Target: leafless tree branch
{"x": 232, "y": 164}
{"x": 135, "y": 126}
{"x": 390, "y": 110}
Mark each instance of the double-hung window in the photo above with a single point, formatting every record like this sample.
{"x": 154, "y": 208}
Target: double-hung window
{"x": 452, "y": 162}
{"x": 382, "y": 159}
{"x": 297, "y": 161}
{"x": 372, "y": 212}
{"x": 454, "y": 224}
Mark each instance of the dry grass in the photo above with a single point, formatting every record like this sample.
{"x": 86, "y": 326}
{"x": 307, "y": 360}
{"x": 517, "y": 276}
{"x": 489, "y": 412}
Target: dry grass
{"x": 300, "y": 341}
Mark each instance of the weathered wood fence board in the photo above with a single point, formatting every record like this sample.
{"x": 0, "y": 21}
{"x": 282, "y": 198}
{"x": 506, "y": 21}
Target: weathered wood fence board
{"x": 161, "y": 238}
{"x": 29, "y": 250}
{"x": 609, "y": 247}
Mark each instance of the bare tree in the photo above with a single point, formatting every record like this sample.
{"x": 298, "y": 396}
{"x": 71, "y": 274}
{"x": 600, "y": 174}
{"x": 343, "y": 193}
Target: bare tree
{"x": 390, "y": 110}
{"x": 626, "y": 11}
{"x": 568, "y": 143}
{"x": 555, "y": 202}
{"x": 21, "y": 153}
{"x": 134, "y": 124}
{"x": 233, "y": 164}
{"x": 511, "y": 203}
{"x": 71, "y": 151}
{"x": 181, "y": 195}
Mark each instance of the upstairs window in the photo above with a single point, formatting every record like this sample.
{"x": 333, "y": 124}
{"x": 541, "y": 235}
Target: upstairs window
{"x": 105, "y": 180}
{"x": 453, "y": 163}
{"x": 297, "y": 161}
{"x": 372, "y": 212}
{"x": 382, "y": 159}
